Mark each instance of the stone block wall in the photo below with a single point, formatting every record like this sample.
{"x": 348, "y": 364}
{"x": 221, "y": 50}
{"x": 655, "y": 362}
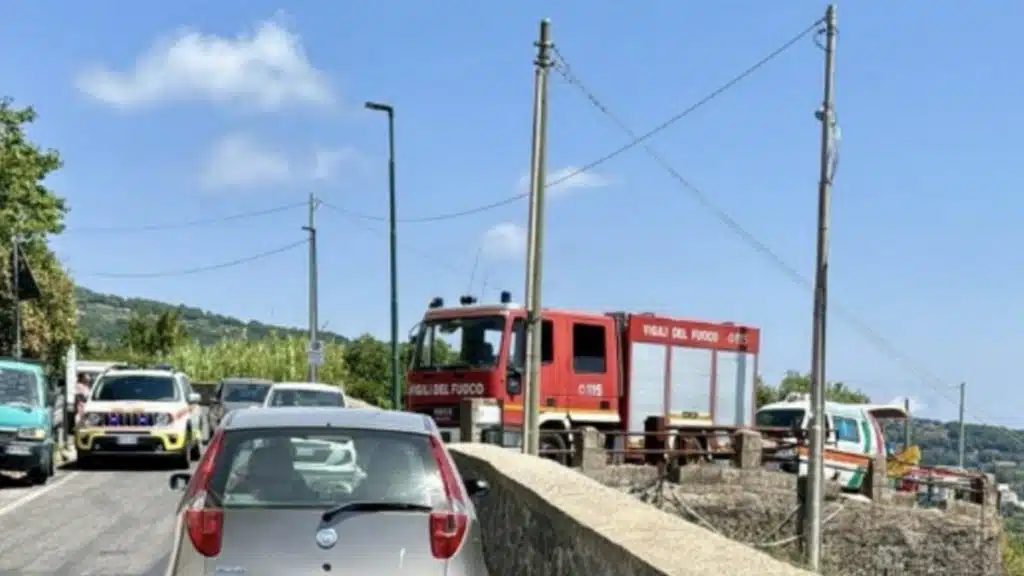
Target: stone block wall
{"x": 861, "y": 537}
{"x": 543, "y": 519}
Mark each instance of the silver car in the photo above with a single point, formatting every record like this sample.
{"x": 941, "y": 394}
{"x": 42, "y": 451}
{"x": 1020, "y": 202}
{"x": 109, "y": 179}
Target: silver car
{"x": 255, "y": 505}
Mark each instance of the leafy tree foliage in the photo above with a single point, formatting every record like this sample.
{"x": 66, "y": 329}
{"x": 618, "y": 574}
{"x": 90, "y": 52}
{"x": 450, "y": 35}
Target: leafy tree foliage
{"x": 369, "y": 368}
{"x": 794, "y": 381}
{"x": 31, "y": 210}
{"x": 155, "y": 335}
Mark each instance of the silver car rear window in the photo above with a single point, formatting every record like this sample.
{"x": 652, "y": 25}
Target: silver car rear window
{"x": 321, "y": 467}
{"x": 246, "y": 392}
{"x": 306, "y": 398}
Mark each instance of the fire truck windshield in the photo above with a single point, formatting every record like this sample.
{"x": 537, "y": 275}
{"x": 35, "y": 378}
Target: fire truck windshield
{"x": 452, "y": 343}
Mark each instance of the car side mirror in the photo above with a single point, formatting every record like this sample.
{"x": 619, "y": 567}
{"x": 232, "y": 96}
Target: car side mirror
{"x": 179, "y": 480}
{"x": 514, "y": 381}
{"x": 194, "y": 398}
{"x": 477, "y": 487}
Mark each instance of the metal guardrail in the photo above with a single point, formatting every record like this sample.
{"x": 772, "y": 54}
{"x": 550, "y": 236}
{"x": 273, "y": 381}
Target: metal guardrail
{"x": 676, "y": 444}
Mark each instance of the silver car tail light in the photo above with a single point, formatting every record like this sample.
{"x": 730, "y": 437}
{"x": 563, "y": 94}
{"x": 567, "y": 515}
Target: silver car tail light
{"x": 449, "y": 525}
{"x": 205, "y": 520}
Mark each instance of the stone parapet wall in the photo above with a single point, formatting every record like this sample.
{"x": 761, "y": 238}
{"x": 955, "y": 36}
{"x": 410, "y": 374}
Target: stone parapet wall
{"x": 543, "y": 519}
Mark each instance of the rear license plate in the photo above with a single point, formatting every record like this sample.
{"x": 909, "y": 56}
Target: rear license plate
{"x": 16, "y": 450}
{"x": 127, "y": 440}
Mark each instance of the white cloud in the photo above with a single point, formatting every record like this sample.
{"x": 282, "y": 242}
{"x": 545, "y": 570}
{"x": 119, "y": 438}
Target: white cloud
{"x": 240, "y": 160}
{"x": 267, "y": 68}
{"x": 505, "y": 241}
{"x": 567, "y": 179}
{"x": 329, "y": 162}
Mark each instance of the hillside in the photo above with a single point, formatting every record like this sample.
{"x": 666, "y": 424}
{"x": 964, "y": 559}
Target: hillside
{"x": 105, "y": 316}
{"x": 994, "y": 449}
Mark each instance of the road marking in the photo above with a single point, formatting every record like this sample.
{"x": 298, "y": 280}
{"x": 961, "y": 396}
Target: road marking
{"x": 33, "y": 495}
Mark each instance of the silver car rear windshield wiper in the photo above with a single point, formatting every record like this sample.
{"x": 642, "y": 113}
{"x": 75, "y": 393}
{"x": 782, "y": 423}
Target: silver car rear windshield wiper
{"x": 371, "y": 506}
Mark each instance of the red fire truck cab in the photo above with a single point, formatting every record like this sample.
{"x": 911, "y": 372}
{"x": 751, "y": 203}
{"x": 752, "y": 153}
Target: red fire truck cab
{"x": 607, "y": 370}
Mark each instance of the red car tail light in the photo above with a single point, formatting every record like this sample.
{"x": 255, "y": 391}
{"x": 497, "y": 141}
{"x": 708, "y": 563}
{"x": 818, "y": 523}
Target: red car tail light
{"x": 205, "y": 527}
{"x": 204, "y": 520}
{"x": 448, "y": 527}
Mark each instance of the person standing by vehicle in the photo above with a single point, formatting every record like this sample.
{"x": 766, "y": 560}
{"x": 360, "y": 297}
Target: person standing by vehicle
{"x": 82, "y": 389}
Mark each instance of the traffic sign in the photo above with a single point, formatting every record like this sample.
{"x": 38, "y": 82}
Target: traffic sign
{"x": 315, "y": 353}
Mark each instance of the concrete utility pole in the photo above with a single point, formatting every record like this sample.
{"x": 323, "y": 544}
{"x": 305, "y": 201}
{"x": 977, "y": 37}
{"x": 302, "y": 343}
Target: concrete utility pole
{"x": 963, "y": 427}
{"x": 814, "y": 496}
{"x": 313, "y": 296}
{"x": 535, "y": 243}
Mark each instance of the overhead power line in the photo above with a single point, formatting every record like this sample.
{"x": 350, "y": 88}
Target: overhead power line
{"x": 881, "y": 343}
{"x": 405, "y": 246}
{"x": 187, "y": 223}
{"x": 637, "y": 140}
{"x": 198, "y": 269}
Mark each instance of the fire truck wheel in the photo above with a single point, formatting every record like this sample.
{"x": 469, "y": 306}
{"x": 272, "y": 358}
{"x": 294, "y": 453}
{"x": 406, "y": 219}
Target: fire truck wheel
{"x": 555, "y": 446}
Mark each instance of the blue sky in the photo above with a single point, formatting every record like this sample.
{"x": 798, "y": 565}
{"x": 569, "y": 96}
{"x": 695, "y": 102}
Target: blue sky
{"x": 174, "y": 112}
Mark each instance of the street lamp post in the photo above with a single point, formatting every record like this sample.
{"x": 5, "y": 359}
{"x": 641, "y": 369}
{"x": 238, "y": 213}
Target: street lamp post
{"x": 396, "y": 389}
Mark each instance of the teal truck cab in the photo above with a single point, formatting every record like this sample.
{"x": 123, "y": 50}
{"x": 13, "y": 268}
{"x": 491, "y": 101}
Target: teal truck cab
{"x": 26, "y": 427}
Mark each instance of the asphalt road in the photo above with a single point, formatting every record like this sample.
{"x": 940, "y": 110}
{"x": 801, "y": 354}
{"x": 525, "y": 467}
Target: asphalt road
{"x": 108, "y": 522}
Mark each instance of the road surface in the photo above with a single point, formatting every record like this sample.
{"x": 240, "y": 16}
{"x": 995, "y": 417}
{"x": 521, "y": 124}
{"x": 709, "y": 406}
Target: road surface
{"x": 88, "y": 522}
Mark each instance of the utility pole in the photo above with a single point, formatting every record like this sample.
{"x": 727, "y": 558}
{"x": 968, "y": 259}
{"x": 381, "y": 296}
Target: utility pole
{"x": 396, "y": 387}
{"x": 814, "y": 495}
{"x": 535, "y": 242}
{"x": 963, "y": 427}
{"x": 16, "y": 292}
{"x": 908, "y": 425}
{"x": 313, "y": 296}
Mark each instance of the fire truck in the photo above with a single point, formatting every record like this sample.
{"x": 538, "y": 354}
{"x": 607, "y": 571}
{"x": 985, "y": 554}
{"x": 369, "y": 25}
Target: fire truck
{"x": 608, "y": 370}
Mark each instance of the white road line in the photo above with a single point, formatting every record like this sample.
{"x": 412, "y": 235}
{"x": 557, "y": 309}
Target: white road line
{"x": 36, "y": 494}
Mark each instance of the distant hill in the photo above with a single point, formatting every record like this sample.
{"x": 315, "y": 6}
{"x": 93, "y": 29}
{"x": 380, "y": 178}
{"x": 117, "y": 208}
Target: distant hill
{"x": 993, "y": 449}
{"x": 105, "y": 316}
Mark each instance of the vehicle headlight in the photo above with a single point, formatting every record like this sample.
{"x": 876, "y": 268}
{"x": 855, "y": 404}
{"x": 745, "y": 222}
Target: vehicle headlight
{"x": 93, "y": 419}
{"x": 163, "y": 419}
{"x": 32, "y": 433}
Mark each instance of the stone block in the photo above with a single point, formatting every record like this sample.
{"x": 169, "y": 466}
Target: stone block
{"x": 748, "y": 448}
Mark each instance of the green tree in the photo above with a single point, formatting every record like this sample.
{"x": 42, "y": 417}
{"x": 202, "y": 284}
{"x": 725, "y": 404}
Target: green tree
{"x": 30, "y": 210}
{"x": 368, "y": 361}
{"x": 794, "y": 381}
{"x": 765, "y": 394}
{"x": 85, "y": 346}
{"x": 137, "y": 334}
{"x": 154, "y": 335}
{"x": 168, "y": 333}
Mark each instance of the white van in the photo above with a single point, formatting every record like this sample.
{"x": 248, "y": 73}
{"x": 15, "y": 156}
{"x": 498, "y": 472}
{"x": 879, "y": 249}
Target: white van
{"x": 854, "y": 434}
